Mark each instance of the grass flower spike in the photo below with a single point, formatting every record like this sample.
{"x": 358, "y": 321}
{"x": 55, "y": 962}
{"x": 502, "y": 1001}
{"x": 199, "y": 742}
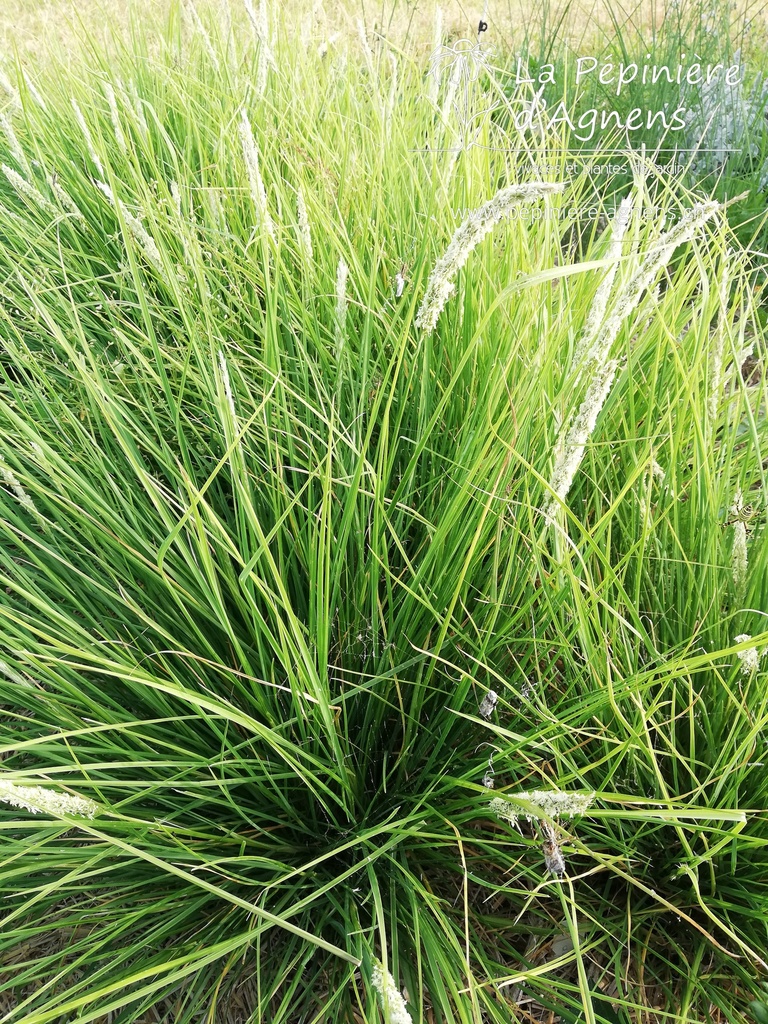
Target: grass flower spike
{"x": 749, "y": 657}
{"x": 342, "y": 272}
{"x": 46, "y": 801}
{"x": 547, "y": 804}
{"x": 135, "y": 228}
{"x": 472, "y": 231}
{"x": 395, "y": 1011}
{"x": 739, "y": 550}
{"x": 251, "y": 156}
{"x": 305, "y": 233}
{"x": 571, "y": 449}
{"x": 596, "y": 315}
{"x": 96, "y": 160}
{"x": 27, "y": 190}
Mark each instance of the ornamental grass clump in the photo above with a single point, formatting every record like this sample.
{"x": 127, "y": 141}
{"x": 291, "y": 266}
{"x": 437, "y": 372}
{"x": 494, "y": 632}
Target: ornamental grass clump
{"x": 276, "y": 595}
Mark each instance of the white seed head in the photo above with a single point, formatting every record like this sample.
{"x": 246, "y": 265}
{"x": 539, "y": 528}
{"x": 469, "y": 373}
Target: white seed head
{"x": 546, "y": 804}
{"x": 570, "y": 451}
{"x": 739, "y": 551}
{"x": 251, "y": 157}
{"x": 227, "y": 386}
{"x": 27, "y": 190}
{"x": 342, "y": 272}
{"x": 135, "y": 228}
{"x": 657, "y": 257}
{"x": 260, "y": 25}
{"x": 599, "y": 305}
{"x": 88, "y": 138}
{"x": 66, "y": 200}
{"x": 137, "y": 104}
{"x": 114, "y": 114}
{"x": 9, "y": 478}
{"x": 392, "y": 1000}
{"x": 472, "y": 231}
{"x": 749, "y": 657}
{"x": 10, "y": 89}
{"x": 46, "y": 801}
{"x": 717, "y": 355}
{"x": 202, "y": 32}
{"x": 33, "y": 91}
{"x": 366, "y": 47}
{"x": 305, "y": 233}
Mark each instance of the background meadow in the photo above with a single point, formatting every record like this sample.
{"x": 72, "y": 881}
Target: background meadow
{"x": 327, "y": 522}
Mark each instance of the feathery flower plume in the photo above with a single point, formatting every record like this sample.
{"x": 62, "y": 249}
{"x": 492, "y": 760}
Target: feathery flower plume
{"x": 572, "y": 441}
{"x": 137, "y": 104}
{"x": 40, "y": 456}
{"x": 214, "y": 206}
{"x": 259, "y": 24}
{"x": 342, "y": 273}
{"x": 200, "y": 27}
{"x": 114, "y": 114}
{"x": 227, "y": 386}
{"x": 472, "y": 231}
{"x": 392, "y": 1000}
{"x": 717, "y": 356}
{"x": 250, "y": 10}
{"x": 251, "y": 156}
{"x": 571, "y": 448}
{"x": 262, "y": 71}
{"x": 27, "y": 190}
{"x": 547, "y": 804}
{"x": 176, "y": 197}
{"x": 33, "y": 91}
{"x": 136, "y": 229}
{"x": 599, "y": 305}
{"x": 448, "y": 172}
{"x": 88, "y": 137}
{"x": 14, "y": 145}
{"x": 739, "y": 550}
{"x": 656, "y": 259}
{"x": 66, "y": 200}
{"x": 366, "y": 46}
{"x": 749, "y": 658}
{"x": 46, "y": 801}
{"x": 305, "y": 234}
